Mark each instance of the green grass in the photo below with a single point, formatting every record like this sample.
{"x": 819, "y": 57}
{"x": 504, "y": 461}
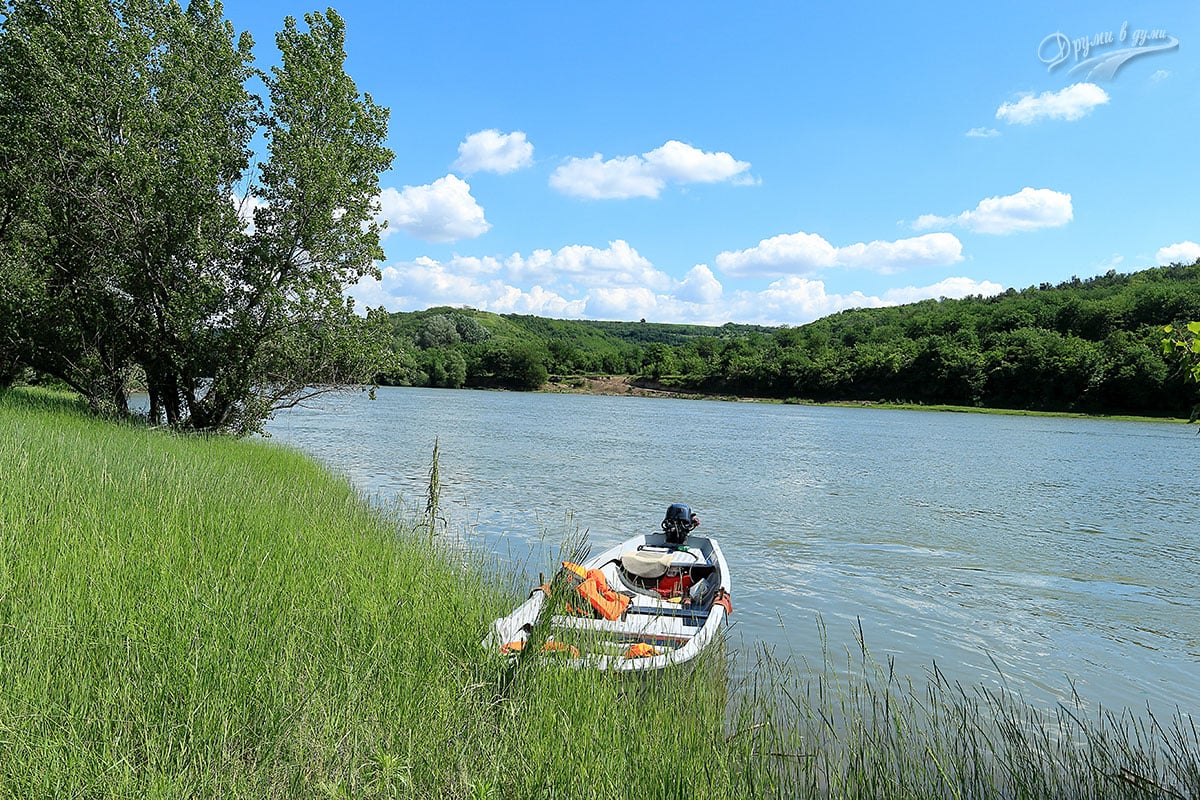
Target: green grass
{"x": 187, "y": 617}
{"x": 1010, "y": 412}
{"x": 896, "y": 405}
{"x": 206, "y": 617}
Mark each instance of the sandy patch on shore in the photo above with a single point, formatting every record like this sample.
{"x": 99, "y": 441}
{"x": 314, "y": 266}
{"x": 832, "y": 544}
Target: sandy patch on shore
{"x": 604, "y": 384}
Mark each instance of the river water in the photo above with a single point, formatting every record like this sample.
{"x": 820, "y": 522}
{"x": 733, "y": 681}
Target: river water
{"x": 1055, "y": 556}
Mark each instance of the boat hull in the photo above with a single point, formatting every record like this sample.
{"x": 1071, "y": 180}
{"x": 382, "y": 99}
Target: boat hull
{"x": 655, "y": 630}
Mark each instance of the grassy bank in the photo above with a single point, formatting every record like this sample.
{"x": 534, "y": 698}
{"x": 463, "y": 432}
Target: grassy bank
{"x": 186, "y": 617}
{"x": 1004, "y": 412}
{"x": 203, "y": 617}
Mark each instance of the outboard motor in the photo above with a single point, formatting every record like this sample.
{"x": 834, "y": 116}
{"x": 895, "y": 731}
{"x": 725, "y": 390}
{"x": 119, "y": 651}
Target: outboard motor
{"x": 679, "y": 522}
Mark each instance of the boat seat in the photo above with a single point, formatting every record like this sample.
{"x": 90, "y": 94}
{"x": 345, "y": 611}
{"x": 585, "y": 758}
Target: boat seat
{"x": 646, "y": 564}
{"x": 653, "y": 562}
{"x": 633, "y": 624}
{"x": 687, "y": 613}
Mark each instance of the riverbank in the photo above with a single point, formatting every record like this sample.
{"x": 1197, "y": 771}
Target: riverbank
{"x": 206, "y": 617}
{"x": 632, "y": 386}
{"x": 186, "y": 616}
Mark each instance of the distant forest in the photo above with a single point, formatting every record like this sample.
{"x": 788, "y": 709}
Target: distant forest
{"x": 1089, "y": 346}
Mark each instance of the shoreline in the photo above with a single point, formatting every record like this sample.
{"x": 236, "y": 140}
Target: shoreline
{"x": 629, "y": 386}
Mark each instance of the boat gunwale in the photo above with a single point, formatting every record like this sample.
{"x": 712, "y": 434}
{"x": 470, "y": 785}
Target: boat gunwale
{"x": 694, "y": 640}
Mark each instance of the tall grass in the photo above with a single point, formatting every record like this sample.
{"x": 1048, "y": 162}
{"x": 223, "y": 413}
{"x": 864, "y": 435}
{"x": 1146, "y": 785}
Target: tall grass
{"x": 184, "y": 617}
{"x": 855, "y": 728}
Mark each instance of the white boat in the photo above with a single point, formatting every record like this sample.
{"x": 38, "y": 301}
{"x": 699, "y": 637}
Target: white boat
{"x": 653, "y": 601}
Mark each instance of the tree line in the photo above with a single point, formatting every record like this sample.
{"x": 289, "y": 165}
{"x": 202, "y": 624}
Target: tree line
{"x": 1090, "y": 346}
{"x": 462, "y": 347}
{"x": 143, "y": 244}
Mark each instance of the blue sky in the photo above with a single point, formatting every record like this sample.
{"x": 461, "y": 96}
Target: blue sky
{"x": 769, "y": 162}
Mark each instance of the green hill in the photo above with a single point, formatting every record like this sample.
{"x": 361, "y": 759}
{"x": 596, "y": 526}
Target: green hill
{"x": 457, "y": 347}
{"x": 1082, "y": 345}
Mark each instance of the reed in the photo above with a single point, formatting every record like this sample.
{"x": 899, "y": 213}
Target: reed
{"x": 854, "y": 728}
{"x": 184, "y": 616}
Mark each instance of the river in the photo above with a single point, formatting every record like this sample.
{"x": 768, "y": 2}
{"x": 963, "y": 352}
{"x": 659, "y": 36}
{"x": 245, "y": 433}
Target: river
{"x": 1053, "y": 555}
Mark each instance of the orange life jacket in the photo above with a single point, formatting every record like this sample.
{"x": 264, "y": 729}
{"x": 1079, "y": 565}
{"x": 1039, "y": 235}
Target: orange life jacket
{"x": 610, "y": 603}
{"x": 549, "y": 647}
{"x": 641, "y": 650}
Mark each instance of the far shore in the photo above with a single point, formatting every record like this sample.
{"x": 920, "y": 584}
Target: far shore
{"x": 631, "y": 386}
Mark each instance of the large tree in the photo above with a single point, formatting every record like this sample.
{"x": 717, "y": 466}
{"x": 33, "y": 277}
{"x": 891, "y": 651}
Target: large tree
{"x": 137, "y": 237}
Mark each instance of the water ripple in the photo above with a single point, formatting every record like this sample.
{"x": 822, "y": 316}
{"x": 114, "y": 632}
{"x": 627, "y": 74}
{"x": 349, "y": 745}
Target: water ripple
{"x": 1063, "y": 551}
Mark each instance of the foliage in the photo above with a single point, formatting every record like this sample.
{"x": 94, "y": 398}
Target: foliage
{"x": 125, "y": 135}
{"x": 512, "y": 366}
{"x": 513, "y": 350}
{"x": 1080, "y": 346}
{"x": 1183, "y": 345}
{"x": 1084, "y": 346}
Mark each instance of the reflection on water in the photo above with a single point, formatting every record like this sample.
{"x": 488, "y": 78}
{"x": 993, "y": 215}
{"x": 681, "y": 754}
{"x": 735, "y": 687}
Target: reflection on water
{"x": 1061, "y": 550}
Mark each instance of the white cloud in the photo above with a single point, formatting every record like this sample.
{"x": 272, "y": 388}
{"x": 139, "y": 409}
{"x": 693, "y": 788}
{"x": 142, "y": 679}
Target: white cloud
{"x": 803, "y": 253}
{"x": 493, "y": 151}
{"x": 426, "y": 282}
{"x": 890, "y": 257}
{"x": 1027, "y": 210}
{"x": 700, "y": 286}
{"x": 646, "y": 175}
{"x": 627, "y": 302}
{"x": 595, "y": 290}
{"x": 1160, "y": 75}
{"x": 618, "y": 265}
{"x": 780, "y": 255}
{"x": 794, "y": 300}
{"x": 1187, "y": 252}
{"x": 537, "y": 301}
{"x": 443, "y": 211}
{"x": 683, "y": 163}
{"x": 982, "y": 133}
{"x": 597, "y": 179}
{"x": 955, "y": 288}
{"x": 1071, "y": 103}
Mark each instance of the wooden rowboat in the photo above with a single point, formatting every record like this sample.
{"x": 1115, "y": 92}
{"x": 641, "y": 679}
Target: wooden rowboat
{"x": 651, "y": 602}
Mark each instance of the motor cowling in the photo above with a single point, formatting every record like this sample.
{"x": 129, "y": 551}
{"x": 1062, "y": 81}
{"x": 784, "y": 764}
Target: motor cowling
{"x": 678, "y": 523}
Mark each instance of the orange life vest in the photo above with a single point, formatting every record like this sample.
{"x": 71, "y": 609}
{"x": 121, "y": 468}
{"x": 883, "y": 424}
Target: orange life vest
{"x": 610, "y": 603}
{"x": 641, "y": 650}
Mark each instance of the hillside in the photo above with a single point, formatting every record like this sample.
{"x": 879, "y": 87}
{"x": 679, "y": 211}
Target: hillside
{"x": 1083, "y": 345}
